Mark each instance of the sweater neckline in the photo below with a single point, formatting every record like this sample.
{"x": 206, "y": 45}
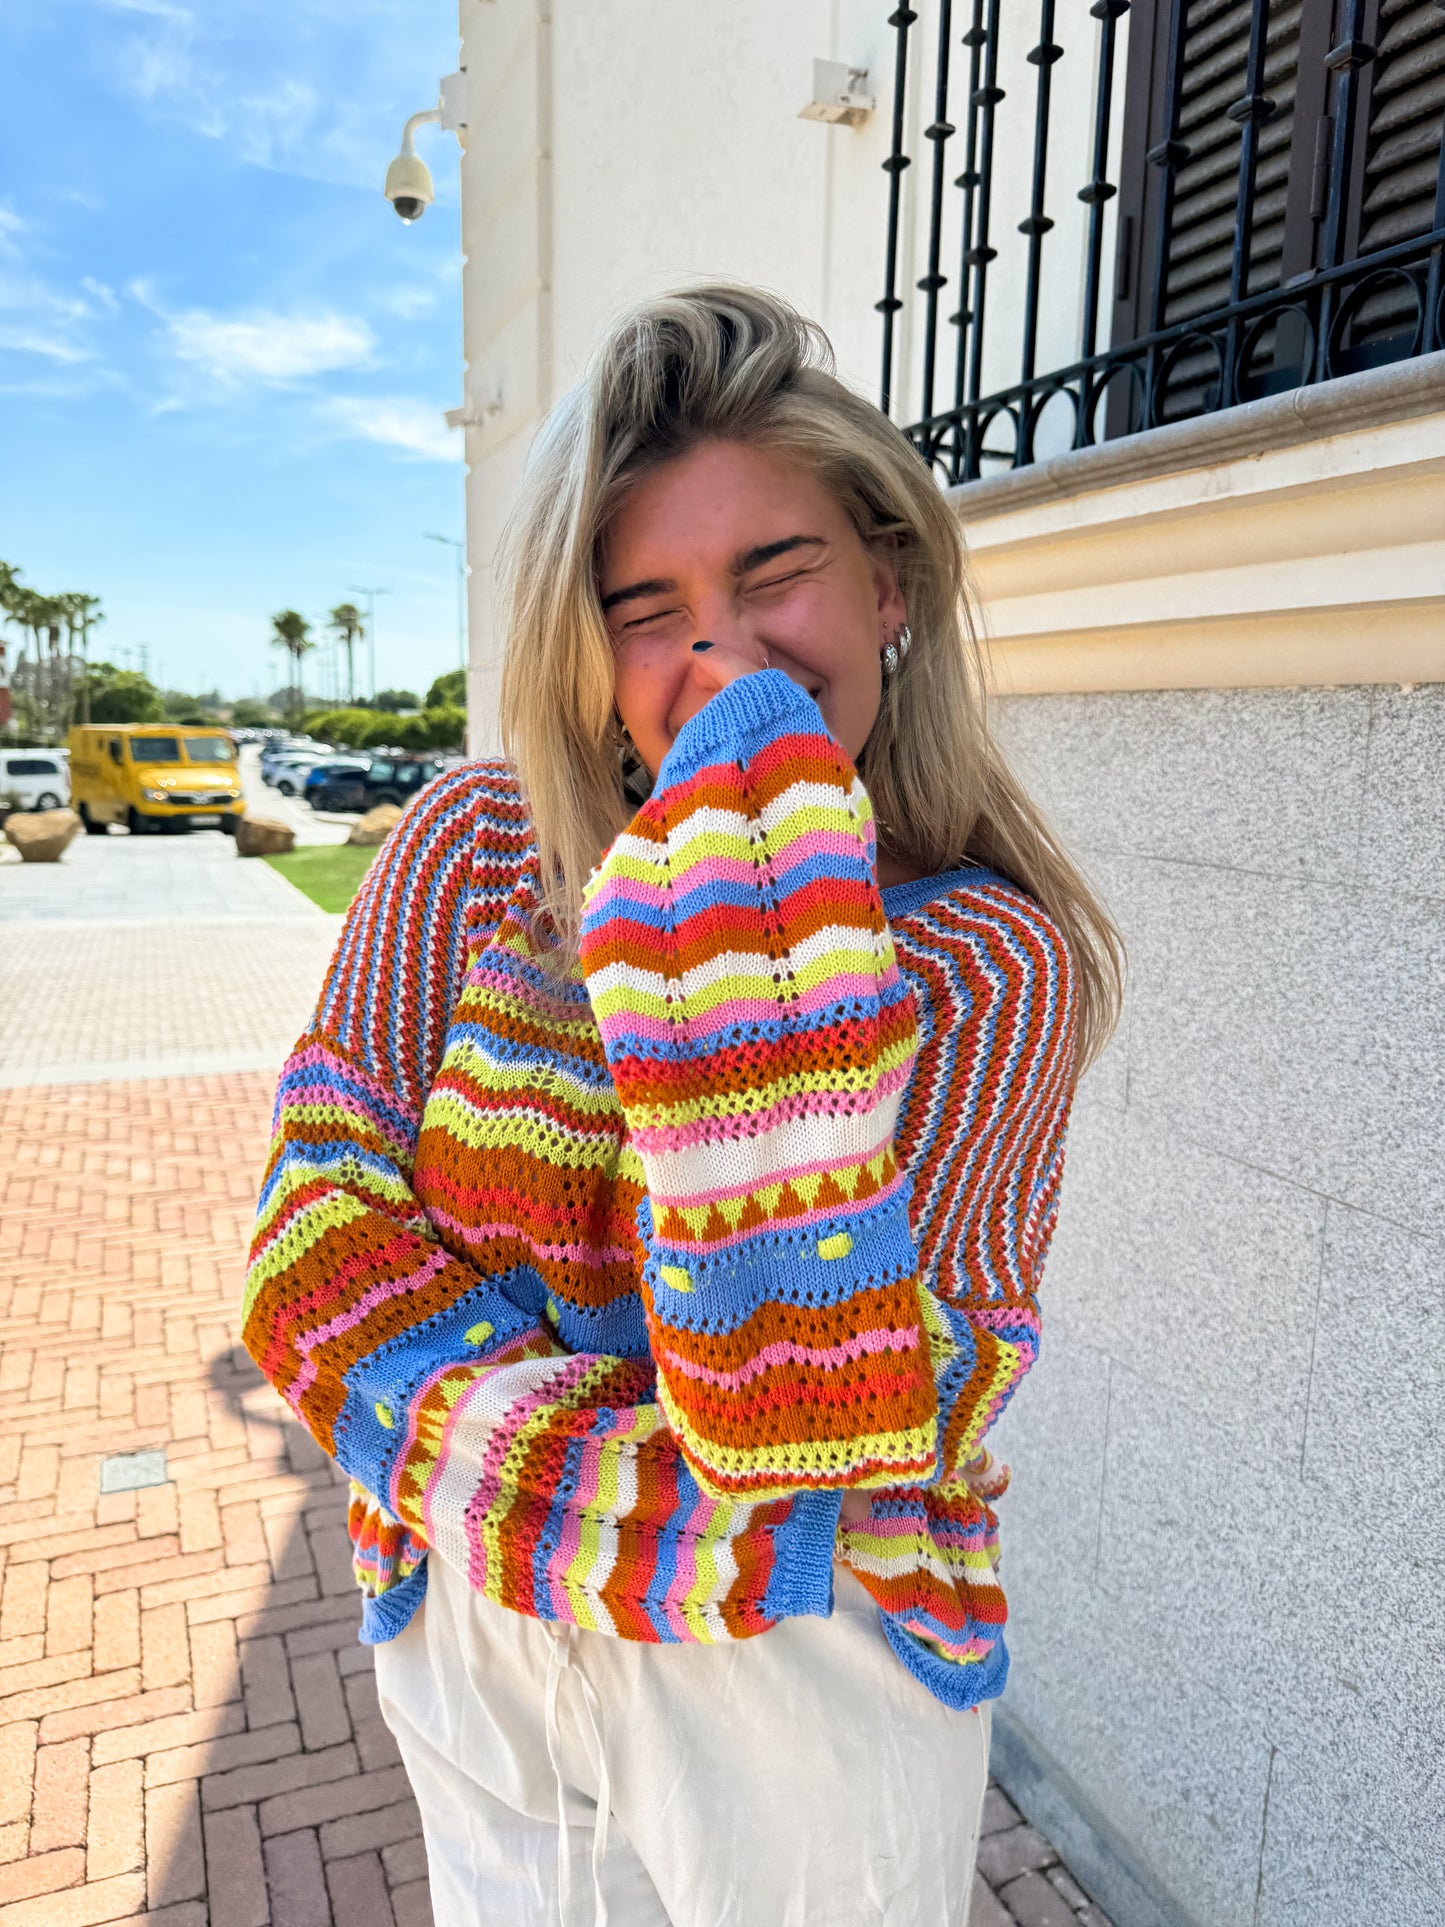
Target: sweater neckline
{"x": 901, "y": 899}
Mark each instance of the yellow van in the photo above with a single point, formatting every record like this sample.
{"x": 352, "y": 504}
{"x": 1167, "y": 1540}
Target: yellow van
{"x": 153, "y": 775}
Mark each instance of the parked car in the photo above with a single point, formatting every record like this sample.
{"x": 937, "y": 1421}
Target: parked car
{"x": 316, "y": 776}
{"x": 33, "y": 779}
{"x": 151, "y": 776}
{"x": 384, "y": 780}
{"x": 288, "y": 749}
{"x": 288, "y": 771}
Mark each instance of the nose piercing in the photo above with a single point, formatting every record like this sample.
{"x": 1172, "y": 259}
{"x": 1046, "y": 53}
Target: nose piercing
{"x": 700, "y": 647}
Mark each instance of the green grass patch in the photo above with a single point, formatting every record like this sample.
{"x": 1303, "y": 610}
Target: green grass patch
{"x": 329, "y": 873}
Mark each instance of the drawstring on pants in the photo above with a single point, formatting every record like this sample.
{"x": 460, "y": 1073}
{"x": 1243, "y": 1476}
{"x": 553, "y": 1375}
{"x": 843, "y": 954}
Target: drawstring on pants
{"x": 559, "y": 1659}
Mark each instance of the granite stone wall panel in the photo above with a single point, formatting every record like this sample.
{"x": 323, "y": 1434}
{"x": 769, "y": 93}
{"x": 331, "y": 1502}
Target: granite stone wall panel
{"x": 1294, "y": 1026}
{"x": 1136, "y": 1718}
{"x": 1376, "y": 1431}
{"x": 1053, "y": 1441}
{"x": 1322, "y": 1868}
{"x": 1248, "y": 1280}
{"x": 1252, "y": 779}
{"x": 1402, "y": 832}
{"x": 1202, "y": 1273}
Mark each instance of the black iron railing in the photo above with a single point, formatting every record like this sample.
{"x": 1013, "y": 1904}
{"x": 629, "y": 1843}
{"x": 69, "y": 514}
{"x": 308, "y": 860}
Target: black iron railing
{"x": 1189, "y": 333}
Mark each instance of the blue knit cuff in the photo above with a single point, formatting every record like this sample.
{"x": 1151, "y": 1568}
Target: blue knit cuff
{"x": 801, "y": 1585}
{"x": 739, "y": 721}
{"x": 385, "y": 1614}
{"x": 956, "y": 1685}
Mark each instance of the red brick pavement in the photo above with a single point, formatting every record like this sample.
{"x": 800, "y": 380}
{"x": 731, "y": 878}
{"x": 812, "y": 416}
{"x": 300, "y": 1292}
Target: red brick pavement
{"x": 188, "y": 1729}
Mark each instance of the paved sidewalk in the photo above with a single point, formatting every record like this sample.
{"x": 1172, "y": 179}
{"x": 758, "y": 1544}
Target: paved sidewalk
{"x": 189, "y": 1732}
{"x": 130, "y": 879}
{"x": 188, "y": 1726}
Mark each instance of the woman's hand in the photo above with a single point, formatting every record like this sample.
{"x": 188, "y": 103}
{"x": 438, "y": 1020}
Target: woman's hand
{"x": 712, "y": 667}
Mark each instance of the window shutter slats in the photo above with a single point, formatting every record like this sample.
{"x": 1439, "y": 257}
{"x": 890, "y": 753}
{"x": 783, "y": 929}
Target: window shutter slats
{"x": 1402, "y": 155}
{"x": 1202, "y": 230}
{"x": 1402, "y": 147}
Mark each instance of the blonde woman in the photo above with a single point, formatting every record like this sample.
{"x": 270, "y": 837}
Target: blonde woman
{"x": 658, "y": 1202}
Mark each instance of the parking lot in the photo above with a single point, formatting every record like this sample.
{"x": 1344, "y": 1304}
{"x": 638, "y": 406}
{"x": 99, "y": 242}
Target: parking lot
{"x": 310, "y": 826}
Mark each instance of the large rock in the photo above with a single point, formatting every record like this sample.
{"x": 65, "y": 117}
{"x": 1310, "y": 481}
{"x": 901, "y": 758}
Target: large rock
{"x": 263, "y": 836}
{"x": 42, "y": 836}
{"x": 376, "y": 826}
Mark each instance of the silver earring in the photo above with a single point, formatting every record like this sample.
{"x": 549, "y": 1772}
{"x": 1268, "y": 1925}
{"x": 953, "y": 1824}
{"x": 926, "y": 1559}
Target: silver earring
{"x": 891, "y": 660}
{"x": 904, "y": 640}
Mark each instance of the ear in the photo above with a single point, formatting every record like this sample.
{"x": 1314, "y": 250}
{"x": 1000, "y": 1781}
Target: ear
{"x": 892, "y": 608}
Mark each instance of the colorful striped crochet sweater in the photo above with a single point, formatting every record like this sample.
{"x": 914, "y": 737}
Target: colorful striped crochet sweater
{"x": 607, "y": 1283}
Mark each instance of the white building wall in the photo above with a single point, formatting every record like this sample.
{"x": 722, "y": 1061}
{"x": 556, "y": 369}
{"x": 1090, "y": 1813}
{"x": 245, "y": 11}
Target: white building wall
{"x": 621, "y": 147}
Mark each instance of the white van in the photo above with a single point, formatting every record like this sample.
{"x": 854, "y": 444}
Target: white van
{"x": 33, "y": 779}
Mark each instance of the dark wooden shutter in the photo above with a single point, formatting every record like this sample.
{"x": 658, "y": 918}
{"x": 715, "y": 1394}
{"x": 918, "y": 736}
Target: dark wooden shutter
{"x": 1201, "y": 240}
{"x": 1201, "y": 237}
{"x": 1407, "y": 102}
{"x": 1396, "y": 180}
{"x": 1391, "y": 196}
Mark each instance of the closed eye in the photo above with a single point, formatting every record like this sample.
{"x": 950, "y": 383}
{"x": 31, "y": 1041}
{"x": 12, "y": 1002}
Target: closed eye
{"x": 778, "y": 581}
{"x": 639, "y": 622}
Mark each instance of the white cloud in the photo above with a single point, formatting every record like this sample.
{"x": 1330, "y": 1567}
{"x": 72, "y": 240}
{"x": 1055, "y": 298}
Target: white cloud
{"x": 262, "y": 346}
{"x": 38, "y": 319}
{"x": 407, "y": 303}
{"x": 308, "y": 88}
{"x": 28, "y": 341}
{"x": 104, "y": 295}
{"x": 157, "y": 9}
{"x": 397, "y": 422}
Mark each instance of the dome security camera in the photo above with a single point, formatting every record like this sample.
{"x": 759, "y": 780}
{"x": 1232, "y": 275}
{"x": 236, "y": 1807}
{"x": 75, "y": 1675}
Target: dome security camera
{"x": 408, "y": 183}
{"x": 409, "y": 186}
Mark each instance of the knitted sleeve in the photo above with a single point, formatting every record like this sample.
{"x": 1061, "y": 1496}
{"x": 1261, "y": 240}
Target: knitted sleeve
{"x": 549, "y": 1478}
{"x": 760, "y": 1036}
{"x": 982, "y": 1133}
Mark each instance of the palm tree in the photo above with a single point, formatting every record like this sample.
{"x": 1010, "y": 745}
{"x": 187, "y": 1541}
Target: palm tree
{"x": 81, "y": 613}
{"x": 292, "y": 632}
{"x": 49, "y": 613}
{"x": 346, "y": 620}
{"x": 9, "y": 591}
{"x": 30, "y": 610}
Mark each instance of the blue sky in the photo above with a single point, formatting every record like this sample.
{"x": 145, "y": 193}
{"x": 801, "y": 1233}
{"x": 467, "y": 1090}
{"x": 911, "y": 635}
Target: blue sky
{"x": 223, "y": 360}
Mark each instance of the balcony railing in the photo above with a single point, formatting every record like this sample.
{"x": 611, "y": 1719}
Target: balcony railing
{"x": 1282, "y": 218}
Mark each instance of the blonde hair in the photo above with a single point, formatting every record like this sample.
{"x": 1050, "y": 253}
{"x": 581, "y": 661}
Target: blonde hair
{"x": 738, "y": 364}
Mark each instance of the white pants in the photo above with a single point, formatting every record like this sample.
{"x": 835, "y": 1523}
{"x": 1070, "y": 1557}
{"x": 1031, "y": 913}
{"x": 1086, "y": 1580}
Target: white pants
{"x": 802, "y": 1778}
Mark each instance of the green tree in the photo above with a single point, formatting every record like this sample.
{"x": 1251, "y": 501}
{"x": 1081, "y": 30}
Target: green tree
{"x": 449, "y": 691}
{"x": 345, "y": 620}
{"x": 181, "y": 708}
{"x": 247, "y": 713}
{"x": 393, "y": 701}
{"x": 398, "y": 732}
{"x": 123, "y": 696}
{"x": 10, "y": 592}
{"x": 292, "y": 632}
{"x": 81, "y": 612}
{"x": 446, "y": 726}
{"x": 347, "y": 726}
{"x": 42, "y": 618}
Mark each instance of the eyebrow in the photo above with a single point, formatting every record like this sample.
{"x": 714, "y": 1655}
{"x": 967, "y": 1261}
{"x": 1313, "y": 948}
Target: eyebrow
{"x": 741, "y": 564}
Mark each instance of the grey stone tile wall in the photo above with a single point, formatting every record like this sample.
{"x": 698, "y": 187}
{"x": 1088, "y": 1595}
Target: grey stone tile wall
{"x": 1223, "y": 1545}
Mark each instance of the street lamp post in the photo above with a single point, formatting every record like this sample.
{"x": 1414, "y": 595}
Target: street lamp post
{"x": 452, "y": 542}
{"x": 371, "y": 595}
